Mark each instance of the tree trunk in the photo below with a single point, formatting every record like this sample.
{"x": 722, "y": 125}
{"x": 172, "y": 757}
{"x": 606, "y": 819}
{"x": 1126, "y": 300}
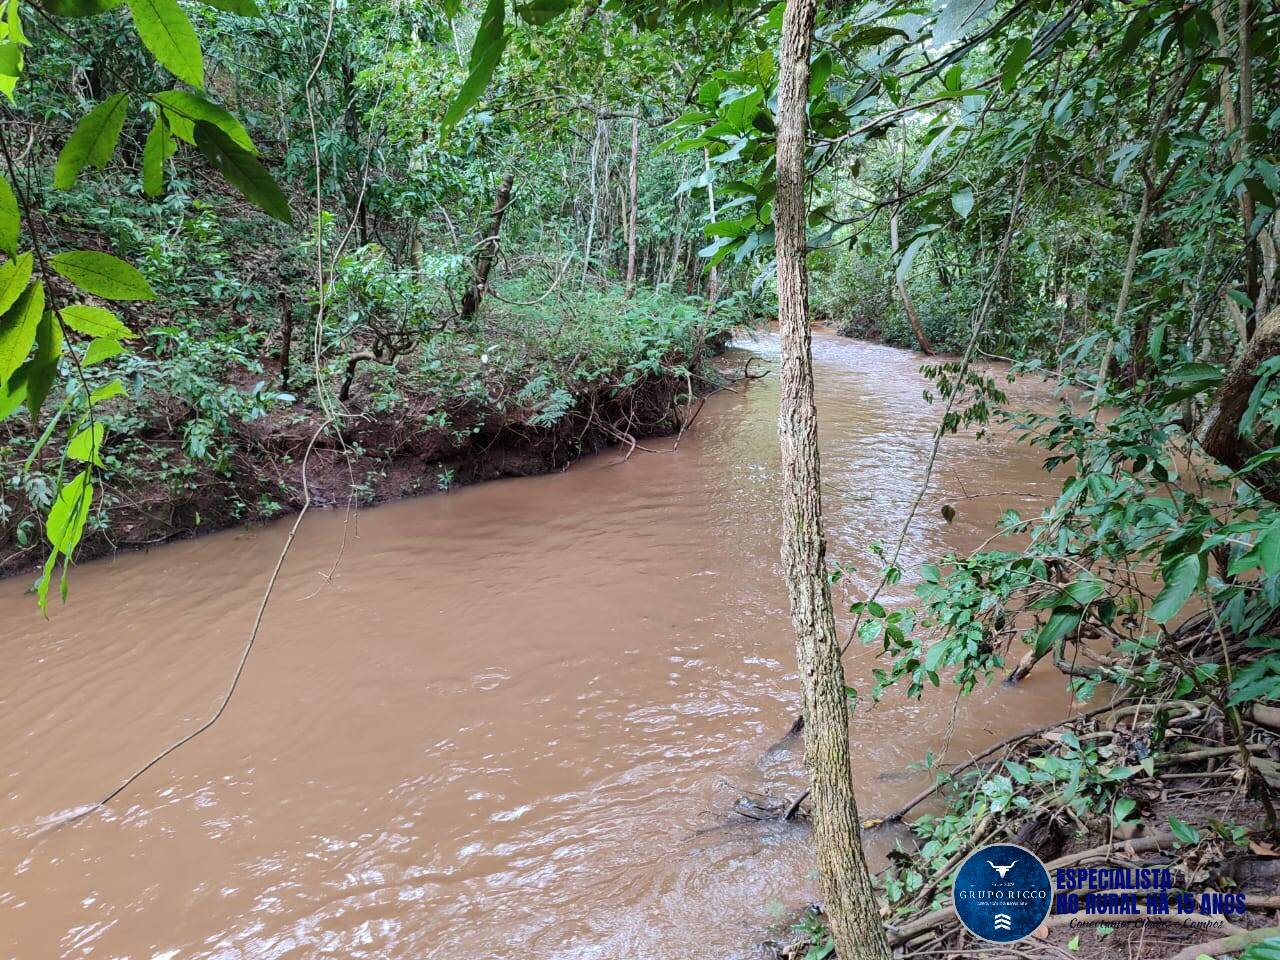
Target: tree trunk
{"x": 487, "y": 251}
{"x": 1219, "y": 432}
{"x": 849, "y": 898}
{"x": 713, "y": 281}
{"x": 633, "y": 214}
{"x": 1246, "y": 198}
{"x": 904, "y": 295}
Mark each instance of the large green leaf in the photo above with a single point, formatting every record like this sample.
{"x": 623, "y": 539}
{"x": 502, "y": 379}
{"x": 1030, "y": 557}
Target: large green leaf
{"x": 103, "y": 275}
{"x": 1180, "y": 581}
{"x": 165, "y": 30}
{"x": 486, "y": 52}
{"x": 69, "y": 512}
{"x": 13, "y": 280}
{"x": 1014, "y": 62}
{"x": 184, "y": 109}
{"x": 10, "y": 219}
{"x": 1060, "y": 623}
{"x": 18, "y": 329}
{"x": 94, "y": 322}
{"x": 243, "y": 171}
{"x": 93, "y": 141}
{"x": 86, "y": 446}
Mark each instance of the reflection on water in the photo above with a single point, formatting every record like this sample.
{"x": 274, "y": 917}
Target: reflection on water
{"x": 512, "y": 726}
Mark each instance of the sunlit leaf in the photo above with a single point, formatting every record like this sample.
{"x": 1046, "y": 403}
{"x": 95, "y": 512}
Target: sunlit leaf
{"x": 86, "y": 446}
{"x": 184, "y": 109}
{"x": 18, "y": 329}
{"x": 103, "y": 275}
{"x": 10, "y": 219}
{"x": 14, "y": 275}
{"x": 94, "y": 322}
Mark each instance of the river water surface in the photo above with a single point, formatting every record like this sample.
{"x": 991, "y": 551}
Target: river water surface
{"x": 514, "y": 722}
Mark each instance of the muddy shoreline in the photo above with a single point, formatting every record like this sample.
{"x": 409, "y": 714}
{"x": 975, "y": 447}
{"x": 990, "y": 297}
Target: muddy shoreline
{"x": 372, "y": 458}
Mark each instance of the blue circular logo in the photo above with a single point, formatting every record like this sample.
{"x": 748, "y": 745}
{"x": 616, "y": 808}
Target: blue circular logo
{"x": 1002, "y": 893}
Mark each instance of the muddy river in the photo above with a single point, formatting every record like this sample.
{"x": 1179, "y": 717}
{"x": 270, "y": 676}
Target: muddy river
{"x": 512, "y": 724}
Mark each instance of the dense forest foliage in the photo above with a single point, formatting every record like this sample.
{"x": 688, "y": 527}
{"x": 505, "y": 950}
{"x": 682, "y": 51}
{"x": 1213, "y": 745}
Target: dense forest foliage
{"x": 355, "y": 250}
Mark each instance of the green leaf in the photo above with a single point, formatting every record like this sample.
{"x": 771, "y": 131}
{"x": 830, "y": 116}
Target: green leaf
{"x": 242, "y": 170}
{"x": 10, "y": 59}
{"x": 79, "y": 8}
{"x": 102, "y": 275}
{"x": 13, "y": 280}
{"x": 1183, "y": 831}
{"x": 1078, "y": 593}
{"x": 184, "y": 109}
{"x": 18, "y": 329}
{"x": 165, "y": 30}
{"x": 68, "y": 514}
{"x": 10, "y": 219}
{"x": 1124, "y": 807}
{"x": 13, "y": 392}
{"x": 86, "y": 446}
{"x": 1180, "y": 581}
{"x": 100, "y": 350}
{"x": 94, "y": 322}
{"x": 1268, "y": 949}
{"x": 93, "y": 141}
{"x": 1269, "y": 550}
{"x": 486, "y": 52}
{"x": 241, "y": 8}
{"x": 43, "y": 367}
{"x": 154, "y": 152}
{"x": 1014, "y": 63}
{"x": 108, "y": 390}
{"x": 1060, "y": 623}
{"x": 962, "y": 201}
{"x": 909, "y": 255}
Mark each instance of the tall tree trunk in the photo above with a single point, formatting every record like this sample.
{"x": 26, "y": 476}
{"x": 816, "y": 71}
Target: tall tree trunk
{"x": 632, "y": 220}
{"x": 904, "y": 295}
{"x": 1247, "y": 209}
{"x": 713, "y": 281}
{"x": 846, "y": 884}
{"x": 487, "y": 252}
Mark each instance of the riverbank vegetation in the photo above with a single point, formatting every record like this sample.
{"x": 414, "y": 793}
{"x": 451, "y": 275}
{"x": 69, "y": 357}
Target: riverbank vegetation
{"x": 517, "y": 232}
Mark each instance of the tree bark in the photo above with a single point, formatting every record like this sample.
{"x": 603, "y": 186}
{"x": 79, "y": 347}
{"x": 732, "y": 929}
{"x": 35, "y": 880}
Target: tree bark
{"x": 846, "y": 884}
{"x": 487, "y": 251}
{"x": 1219, "y": 432}
{"x": 632, "y": 220}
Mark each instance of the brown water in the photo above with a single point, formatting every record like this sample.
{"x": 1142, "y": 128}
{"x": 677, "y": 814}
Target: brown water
{"x": 512, "y": 725}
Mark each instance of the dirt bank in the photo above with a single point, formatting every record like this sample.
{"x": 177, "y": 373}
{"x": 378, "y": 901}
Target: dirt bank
{"x": 421, "y": 444}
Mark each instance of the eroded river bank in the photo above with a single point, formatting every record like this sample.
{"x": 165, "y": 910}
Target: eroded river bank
{"x": 514, "y": 722}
